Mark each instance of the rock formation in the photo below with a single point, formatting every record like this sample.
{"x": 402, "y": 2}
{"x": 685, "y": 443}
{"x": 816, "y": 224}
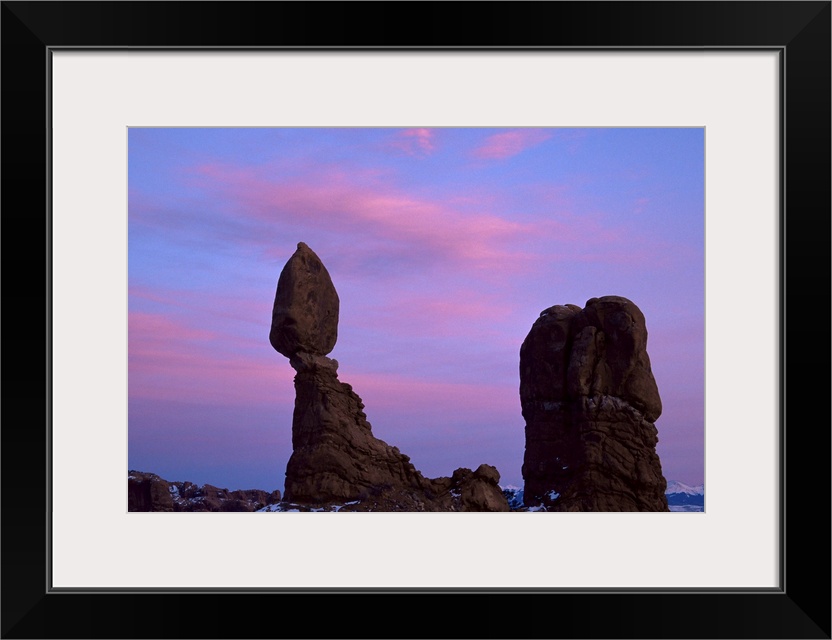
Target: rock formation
{"x": 305, "y": 312}
{"x": 590, "y": 402}
{"x": 466, "y": 491}
{"x": 335, "y": 457}
{"x": 149, "y": 492}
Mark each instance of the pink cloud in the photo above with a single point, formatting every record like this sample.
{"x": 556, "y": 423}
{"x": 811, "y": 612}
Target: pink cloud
{"x": 162, "y": 329}
{"x": 367, "y": 220}
{"x": 231, "y": 309}
{"x": 348, "y": 204}
{"x": 510, "y": 143}
{"x": 414, "y": 142}
{"x": 169, "y": 360}
{"x": 641, "y": 204}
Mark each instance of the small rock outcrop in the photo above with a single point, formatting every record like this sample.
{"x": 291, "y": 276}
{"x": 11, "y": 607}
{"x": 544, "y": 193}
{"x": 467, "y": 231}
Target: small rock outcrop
{"x": 149, "y": 492}
{"x": 336, "y": 458}
{"x": 590, "y": 403}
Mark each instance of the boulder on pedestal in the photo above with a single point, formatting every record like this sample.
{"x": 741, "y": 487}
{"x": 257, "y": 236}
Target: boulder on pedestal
{"x": 305, "y": 311}
{"x": 336, "y": 457}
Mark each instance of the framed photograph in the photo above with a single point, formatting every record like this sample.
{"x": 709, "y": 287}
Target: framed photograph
{"x": 105, "y": 102}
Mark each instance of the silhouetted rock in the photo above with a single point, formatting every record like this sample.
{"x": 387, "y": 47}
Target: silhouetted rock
{"x": 479, "y": 490}
{"x": 305, "y": 312}
{"x": 149, "y": 492}
{"x": 590, "y": 402}
{"x": 335, "y": 456}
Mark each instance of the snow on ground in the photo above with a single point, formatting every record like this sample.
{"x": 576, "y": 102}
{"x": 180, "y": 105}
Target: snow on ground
{"x": 513, "y": 494}
{"x": 282, "y": 507}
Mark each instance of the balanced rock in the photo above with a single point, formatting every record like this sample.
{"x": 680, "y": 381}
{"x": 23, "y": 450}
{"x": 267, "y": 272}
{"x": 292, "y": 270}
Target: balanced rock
{"x": 305, "y": 312}
{"x": 336, "y": 458}
{"x": 590, "y": 402}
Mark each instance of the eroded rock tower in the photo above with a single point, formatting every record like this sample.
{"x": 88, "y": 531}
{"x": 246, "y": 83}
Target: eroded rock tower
{"x": 590, "y": 403}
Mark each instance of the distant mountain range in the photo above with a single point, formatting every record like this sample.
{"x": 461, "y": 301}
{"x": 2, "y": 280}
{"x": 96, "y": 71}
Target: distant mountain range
{"x": 682, "y": 497}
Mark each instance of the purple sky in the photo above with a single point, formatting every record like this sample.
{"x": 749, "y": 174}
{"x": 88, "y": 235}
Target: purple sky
{"x": 444, "y": 245}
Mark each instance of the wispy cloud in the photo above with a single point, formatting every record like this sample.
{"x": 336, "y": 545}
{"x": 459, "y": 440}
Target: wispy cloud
{"x": 373, "y": 225}
{"x": 641, "y": 204}
{"x": 414, "y": 142}
{"x": 162, "y": 329}
{"x": 510, "y": 143}
{"x": 350, "y": 204}
{"x": 172, "y": 360}
{"x": 227, "y": 311}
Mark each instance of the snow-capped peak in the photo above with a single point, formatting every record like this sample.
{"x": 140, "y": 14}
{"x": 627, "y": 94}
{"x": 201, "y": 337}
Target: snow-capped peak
{"x": 677, "y": 487}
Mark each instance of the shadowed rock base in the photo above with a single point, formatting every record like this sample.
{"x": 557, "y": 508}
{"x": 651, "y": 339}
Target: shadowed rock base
{"x": 590, "y": 402}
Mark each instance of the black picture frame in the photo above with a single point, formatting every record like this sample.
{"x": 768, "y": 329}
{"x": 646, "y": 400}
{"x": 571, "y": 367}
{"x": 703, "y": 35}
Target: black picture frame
{"x": 799, "y": 31}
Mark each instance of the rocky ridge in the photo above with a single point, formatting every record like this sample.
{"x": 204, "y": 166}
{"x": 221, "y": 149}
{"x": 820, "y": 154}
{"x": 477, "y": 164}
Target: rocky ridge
{"x": 149, "y": 492}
